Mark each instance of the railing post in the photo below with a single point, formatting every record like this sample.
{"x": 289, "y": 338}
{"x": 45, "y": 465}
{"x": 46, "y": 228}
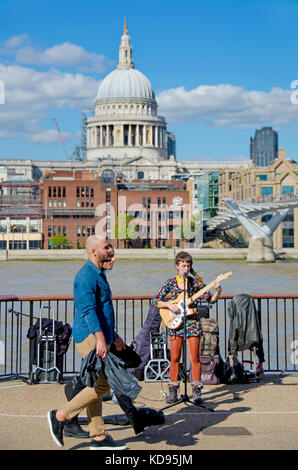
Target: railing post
{"x": 31, "y": 310}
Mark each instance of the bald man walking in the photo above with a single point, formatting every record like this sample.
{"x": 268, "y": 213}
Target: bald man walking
{"x": 93, "y": 328}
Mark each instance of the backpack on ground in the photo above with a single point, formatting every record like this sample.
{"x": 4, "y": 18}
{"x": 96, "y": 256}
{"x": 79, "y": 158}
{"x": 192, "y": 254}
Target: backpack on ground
{"x": 209, "y": 344}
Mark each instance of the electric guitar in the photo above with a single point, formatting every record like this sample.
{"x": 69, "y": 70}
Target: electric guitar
{"x": 174, "y": 320}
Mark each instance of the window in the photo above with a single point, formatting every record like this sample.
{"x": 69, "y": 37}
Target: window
{"x": 82, "y": 191}
{"x": 78, "y": 230}
{"x": 49, "y": 231}
{"x": 34, "y": 244}
{"x": 266, "y": 190}
{"x": 87, "y": 191}
{"x": 64, "y": 230}
{"x": 92, "y": 192}
{"x": 59, "y": 191}
{"x": 262, "y": 177}
{"x": 64, "y": 191}
{"x": 54, "y": 191}
{"x": 287, "y": 189}
{"x": 78, "y": 191}
{"x": 50, "y": 191}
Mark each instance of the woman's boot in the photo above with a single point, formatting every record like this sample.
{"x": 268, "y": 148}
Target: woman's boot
{"x": 197, "y": 392}
{"x": 173, "y": 392}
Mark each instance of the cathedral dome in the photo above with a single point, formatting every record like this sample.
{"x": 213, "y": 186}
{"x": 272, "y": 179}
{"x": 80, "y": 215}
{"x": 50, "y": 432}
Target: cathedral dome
{"x": 125, "y": 83}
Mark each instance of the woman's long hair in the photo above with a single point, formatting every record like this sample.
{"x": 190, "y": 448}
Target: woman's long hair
{"x": 184, "y": 256}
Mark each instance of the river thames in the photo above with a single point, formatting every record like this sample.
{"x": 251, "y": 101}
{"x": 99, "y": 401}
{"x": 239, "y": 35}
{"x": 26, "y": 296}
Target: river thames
{"x": 145, "y": 277}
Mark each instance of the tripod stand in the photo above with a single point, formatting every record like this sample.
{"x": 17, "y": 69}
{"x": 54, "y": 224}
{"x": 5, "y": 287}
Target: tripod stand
{"x": 185, "y": 398}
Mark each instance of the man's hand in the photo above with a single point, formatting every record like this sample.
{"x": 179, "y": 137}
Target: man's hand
{"x": 101, "y": 346}
{"x": 119, "y": 343}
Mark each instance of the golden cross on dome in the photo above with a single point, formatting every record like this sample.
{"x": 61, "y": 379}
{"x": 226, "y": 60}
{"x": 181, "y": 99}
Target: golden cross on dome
{"x": 125, "y": 26}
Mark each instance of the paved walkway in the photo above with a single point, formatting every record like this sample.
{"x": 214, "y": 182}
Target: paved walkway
{"x": 260, "y": 415}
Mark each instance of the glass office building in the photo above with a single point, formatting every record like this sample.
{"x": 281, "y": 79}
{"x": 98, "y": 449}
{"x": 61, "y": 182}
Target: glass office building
{"x": 264, "y": 147}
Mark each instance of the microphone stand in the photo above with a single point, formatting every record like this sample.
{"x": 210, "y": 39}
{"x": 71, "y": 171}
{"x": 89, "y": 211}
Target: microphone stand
{"x": 185, "y": 398}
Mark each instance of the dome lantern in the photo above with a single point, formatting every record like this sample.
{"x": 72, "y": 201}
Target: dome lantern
{"x": 125, "y": 51}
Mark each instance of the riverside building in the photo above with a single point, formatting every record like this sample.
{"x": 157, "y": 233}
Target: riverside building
{"x": 259, "y": 184}
{"x": 130, "y": 213}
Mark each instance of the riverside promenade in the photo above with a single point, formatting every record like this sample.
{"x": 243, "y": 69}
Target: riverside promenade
{"x": 255, "y": 416}
{"x": 135, "y": 254}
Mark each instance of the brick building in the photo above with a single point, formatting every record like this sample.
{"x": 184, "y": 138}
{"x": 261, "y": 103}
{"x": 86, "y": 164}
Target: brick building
{"x": 130, "y": 213}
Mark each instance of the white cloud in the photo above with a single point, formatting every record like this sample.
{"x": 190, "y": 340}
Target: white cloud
{"x": 227, "y": 105}
{"x": 10, "y": 46}
{"x": 31, "y": 96}
{"x": 65, "y": 54}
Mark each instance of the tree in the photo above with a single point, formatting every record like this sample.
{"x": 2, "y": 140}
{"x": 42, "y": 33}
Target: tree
{"x": 59, "y": 241}
{"x": 125, "y": 228}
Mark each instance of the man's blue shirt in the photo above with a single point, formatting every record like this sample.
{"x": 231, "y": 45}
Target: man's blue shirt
{"x": 93, "y": 304}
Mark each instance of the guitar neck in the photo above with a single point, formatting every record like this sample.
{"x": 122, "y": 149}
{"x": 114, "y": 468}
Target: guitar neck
{"x": 221, "y": 277}
{"x": 198, "y": 294}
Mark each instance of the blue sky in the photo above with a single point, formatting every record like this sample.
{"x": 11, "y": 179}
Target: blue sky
{"x": 219, "y": 69}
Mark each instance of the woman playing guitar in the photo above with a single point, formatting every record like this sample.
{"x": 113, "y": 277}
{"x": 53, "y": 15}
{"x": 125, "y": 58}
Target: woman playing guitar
{"x": 171, "y": 289}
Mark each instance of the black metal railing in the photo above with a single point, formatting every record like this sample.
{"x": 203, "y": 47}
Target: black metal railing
{"x": 278, "y": 315}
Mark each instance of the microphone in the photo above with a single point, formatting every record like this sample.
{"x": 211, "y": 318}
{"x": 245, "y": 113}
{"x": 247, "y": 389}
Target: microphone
{"x": 185, "y": 274}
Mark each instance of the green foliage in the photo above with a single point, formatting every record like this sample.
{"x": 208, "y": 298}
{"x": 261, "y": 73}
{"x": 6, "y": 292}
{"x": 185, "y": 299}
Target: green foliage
{"x": 125, "y": 228}
{"x": 59, "y": 241}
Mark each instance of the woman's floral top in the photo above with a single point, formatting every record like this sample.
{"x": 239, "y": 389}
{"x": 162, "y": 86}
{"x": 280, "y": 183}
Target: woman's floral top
{"x": 171, "y": 290}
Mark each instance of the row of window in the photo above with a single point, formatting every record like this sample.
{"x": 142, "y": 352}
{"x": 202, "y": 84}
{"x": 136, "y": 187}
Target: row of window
{"x": 82, "y": 230}
{"x": 85, "y": 191}
{"x": 20, "y": 245}
{"x": 85, "y": 231}
{"x": 56, "y": 191}
{"x": 56, "y": 229}
{"x": 147, "y": 201}
{"x": 60, "y": 191}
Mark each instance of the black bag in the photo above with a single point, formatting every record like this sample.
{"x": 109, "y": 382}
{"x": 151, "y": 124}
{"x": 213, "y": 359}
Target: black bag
{"x": 73, "y": 387}
{"x": 234, "y": 374}
{"x": 128, "y": 355}
{"x": 211, "y": 369}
